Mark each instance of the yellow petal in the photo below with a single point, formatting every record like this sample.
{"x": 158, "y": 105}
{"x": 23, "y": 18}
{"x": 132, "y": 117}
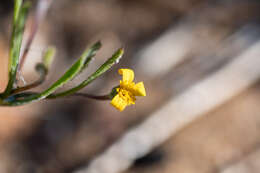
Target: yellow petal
{"x": 139, "y": 90}
{"x": 119, "y": 103}
{"x": 128, "y": 75}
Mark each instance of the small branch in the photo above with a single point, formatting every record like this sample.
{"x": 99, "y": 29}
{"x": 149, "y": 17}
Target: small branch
{"x": 30, "y": 86}
{"x": 43, "y": 72}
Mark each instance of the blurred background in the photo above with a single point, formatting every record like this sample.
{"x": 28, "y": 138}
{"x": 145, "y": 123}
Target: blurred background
{"x": 199, "y": 61}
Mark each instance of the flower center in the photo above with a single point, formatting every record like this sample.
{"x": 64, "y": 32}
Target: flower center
{"x": 126, "y": 95}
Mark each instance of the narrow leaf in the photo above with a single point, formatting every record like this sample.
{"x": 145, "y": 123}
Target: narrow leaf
{"x": 102, "y": 69}
{"x": 19, "y": 19}
{"x": 91, "y": 54}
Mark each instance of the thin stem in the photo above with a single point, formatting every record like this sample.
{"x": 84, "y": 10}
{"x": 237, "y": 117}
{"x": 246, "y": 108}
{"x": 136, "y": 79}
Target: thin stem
{"x": 30, "y": 86}
{"x": 12, "y": 100}
{"x": 85, "y": 95}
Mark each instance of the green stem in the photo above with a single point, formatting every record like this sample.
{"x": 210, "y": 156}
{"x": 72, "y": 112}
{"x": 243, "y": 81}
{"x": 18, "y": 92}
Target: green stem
{"x": 89, "y": 96}
{"x": 30, "y": 86}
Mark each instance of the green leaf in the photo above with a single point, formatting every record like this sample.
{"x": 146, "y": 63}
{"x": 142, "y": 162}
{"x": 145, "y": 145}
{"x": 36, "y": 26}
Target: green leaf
{"x": 102, "y": 69}
{"x": 19, "y": 19}
{"x": 92, "y": 53}
{"x": 69, "y": 75}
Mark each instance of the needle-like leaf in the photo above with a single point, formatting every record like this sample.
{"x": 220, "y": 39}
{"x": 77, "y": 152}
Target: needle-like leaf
{"x": 19, "y": 18}
{"x": 102, "y": 69}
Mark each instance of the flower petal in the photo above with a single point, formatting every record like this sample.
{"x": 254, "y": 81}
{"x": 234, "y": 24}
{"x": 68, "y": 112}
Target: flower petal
{"x": 128, "y": 75}
{"x": 139, "y": 90}
{"x": 119, "y": 103}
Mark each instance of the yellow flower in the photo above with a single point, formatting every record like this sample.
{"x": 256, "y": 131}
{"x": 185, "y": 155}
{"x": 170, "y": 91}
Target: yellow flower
{"x": 127, "y": 90}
